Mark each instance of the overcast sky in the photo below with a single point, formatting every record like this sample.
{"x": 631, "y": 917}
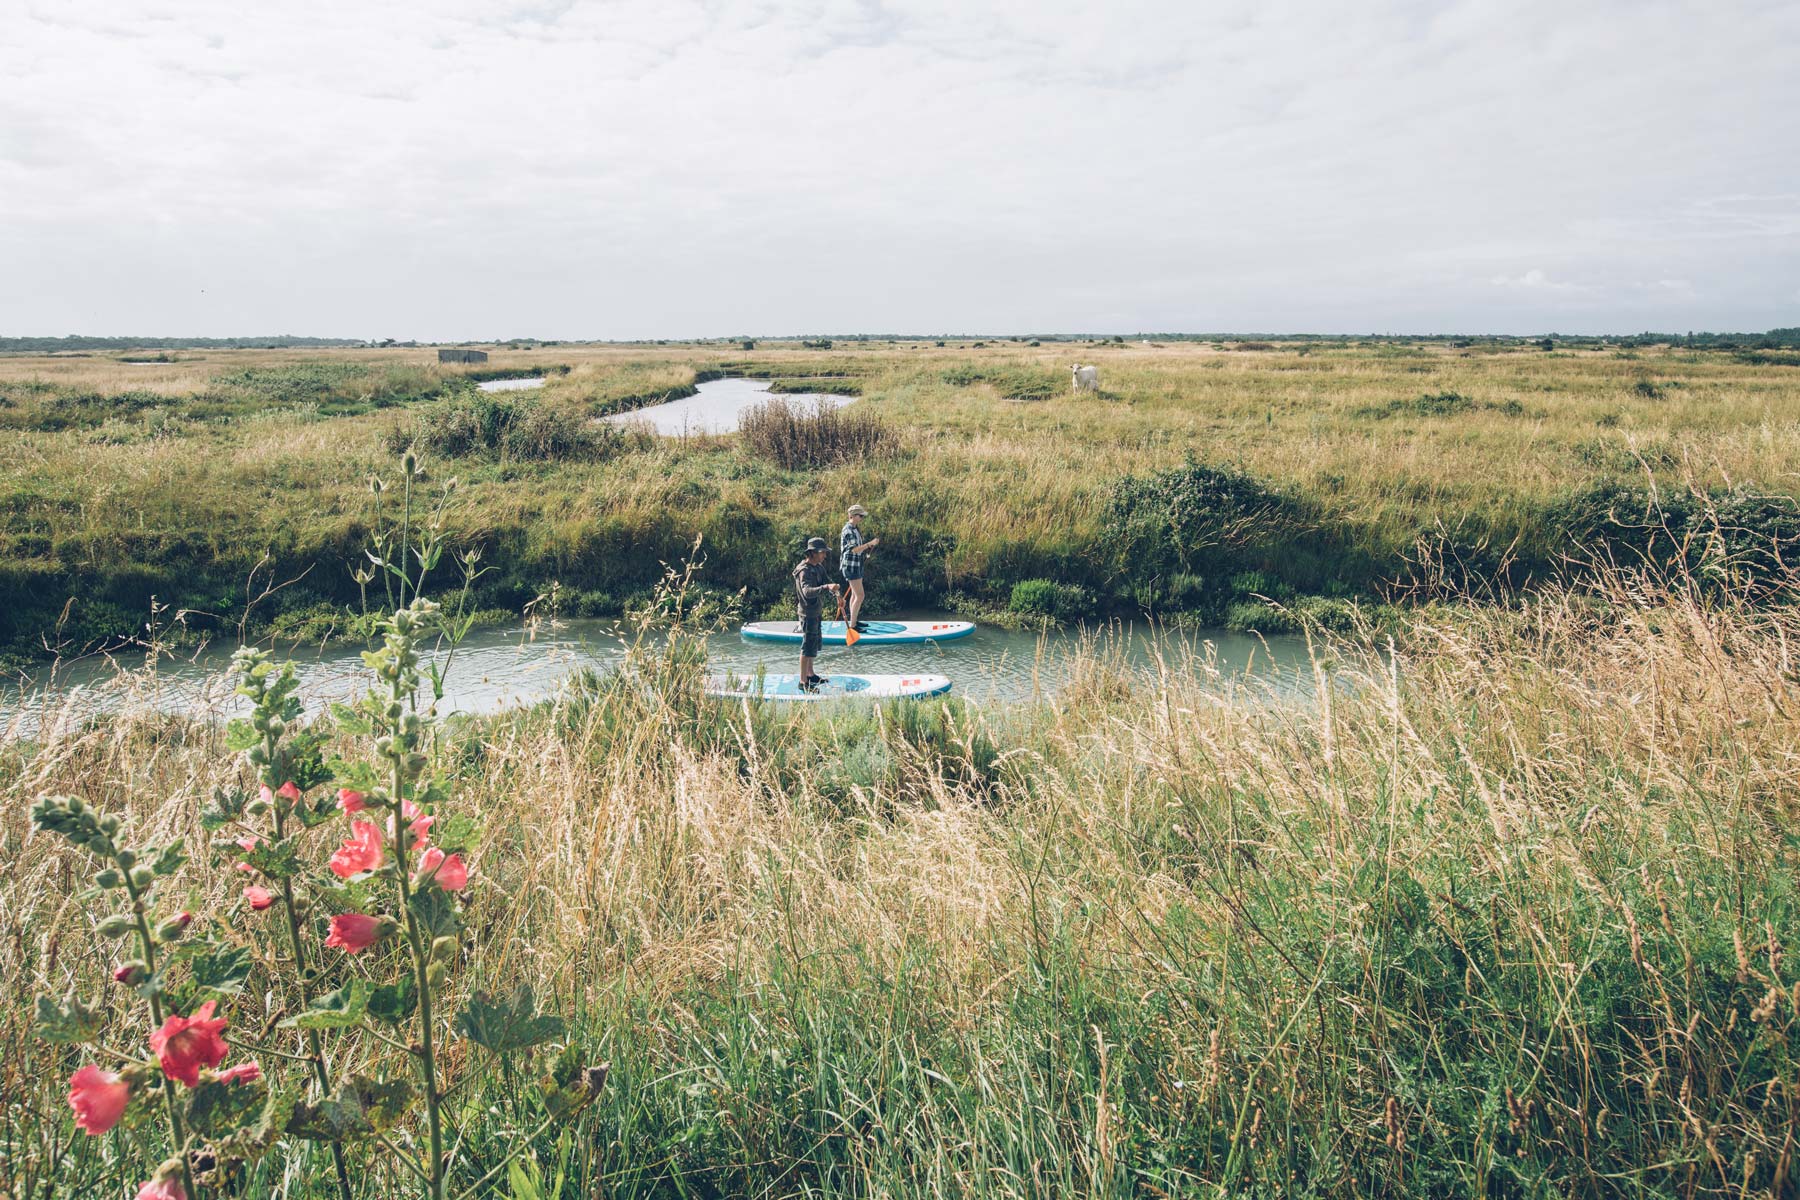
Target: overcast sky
{"x": 659, "y": 168}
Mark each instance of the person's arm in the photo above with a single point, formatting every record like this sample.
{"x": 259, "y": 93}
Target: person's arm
{"x": 812, "y": 591}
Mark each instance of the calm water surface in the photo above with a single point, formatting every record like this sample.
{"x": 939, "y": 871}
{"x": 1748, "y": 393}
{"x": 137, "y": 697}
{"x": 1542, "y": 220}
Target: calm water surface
{"x": 501, "y": 667}
{"x": 716, "y": 408}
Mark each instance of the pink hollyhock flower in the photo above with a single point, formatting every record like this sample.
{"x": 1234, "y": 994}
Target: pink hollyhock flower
{"x": 361, "y": 851}
{"x": 98, "y": 1098}
{"x": 130, "y": 973}
{"x": 183, "y": 919}
{"x": 242, "y": 1073}
{"x": 259, "y": 898}
{"x": 418, "y": 824}
{"x": 185, "y": 1044}
{"x": 265, "y": 795}
{"x": 445, "y": 870}
{"x": 247, "y": 844}
{"x": 166, "y": 1188}
{"x": 354, "y": 932}
{"x": 349, "y": 801}
{"x": 288, "y": 791}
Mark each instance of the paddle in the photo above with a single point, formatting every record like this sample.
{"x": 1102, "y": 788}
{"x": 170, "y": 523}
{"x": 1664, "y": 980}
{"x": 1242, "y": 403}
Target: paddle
{"x": 851, "y": 637}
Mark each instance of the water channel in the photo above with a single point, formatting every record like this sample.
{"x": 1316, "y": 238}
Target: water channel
{"x": 521, "y": 664}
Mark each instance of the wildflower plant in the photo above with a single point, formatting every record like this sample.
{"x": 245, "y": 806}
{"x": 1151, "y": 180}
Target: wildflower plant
{"x": 369, "y": 933}
{"x": 216, "y": 1119}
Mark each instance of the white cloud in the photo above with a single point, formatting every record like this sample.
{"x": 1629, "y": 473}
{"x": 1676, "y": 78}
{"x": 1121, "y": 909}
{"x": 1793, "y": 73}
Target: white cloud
{"x": 1536, "y": 280}
{"x": 674, "y": 167}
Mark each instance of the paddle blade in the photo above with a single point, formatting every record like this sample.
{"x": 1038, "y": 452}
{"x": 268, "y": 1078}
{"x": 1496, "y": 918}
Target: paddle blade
{"x": 851, "y": 637}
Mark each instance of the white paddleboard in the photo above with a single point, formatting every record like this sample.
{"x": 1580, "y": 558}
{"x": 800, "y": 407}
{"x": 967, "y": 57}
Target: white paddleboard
{"x": 877, "y": 633}
{"x": 836, "y": 687}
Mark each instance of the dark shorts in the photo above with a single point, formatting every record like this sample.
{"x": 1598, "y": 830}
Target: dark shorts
{"x": 851, "y": 569}
{"x": 812, "y": 635}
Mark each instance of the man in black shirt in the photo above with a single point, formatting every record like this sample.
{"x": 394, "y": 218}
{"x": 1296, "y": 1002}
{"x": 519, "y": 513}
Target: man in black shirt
{"x": 810, "y": 589}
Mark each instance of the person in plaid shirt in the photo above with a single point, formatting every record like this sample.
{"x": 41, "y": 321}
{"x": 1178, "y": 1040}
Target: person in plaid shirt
{"x": 851, "y": 548}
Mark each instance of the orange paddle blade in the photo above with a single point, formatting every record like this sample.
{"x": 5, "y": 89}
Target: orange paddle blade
{"x": 851, "y": 637}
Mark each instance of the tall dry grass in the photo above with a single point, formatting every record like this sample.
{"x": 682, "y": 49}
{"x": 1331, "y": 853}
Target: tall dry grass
{"x": 1505, "y": 908}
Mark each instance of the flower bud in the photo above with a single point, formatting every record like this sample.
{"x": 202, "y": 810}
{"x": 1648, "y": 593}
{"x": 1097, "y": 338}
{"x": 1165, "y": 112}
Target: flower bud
{"x": 100, "y": 844}
{"x": 109, "y": 878}
{"x": 114, "y": 926}
{"x": 142, "y": 877}
{"x": 127, "y": 859}
{"x": 277, "y": 726}
{"x": 110, "y": 824}
{"x": 443, "y": 950}
{"x": 436, "y": 973}
{"x": 131, "y": 973}
{"x": 172, "y": 929}
{"x": 256, "y": 755}
{"x": 75, "y": 806}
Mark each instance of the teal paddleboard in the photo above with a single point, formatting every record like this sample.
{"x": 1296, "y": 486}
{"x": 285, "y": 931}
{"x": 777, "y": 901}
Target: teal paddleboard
{"x": 876, "y": 633}
{"x": 836, "y": 687}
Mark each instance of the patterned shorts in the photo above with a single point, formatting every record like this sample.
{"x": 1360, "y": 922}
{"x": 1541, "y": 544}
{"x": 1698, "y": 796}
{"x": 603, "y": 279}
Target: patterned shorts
{"x": 851, "y": 569}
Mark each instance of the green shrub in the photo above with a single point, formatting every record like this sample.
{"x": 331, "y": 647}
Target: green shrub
{"x": 1178, "y": 521}
{"x": 1729, "y": 537}
{"x": 477, "y": 423}
{"x": 1014, "y": 383}
{"x": 1048, "y": 598}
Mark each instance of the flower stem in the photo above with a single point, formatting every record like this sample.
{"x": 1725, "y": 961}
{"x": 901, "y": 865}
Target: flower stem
{"x": 422, "y": 979}
{"x": 147, "y": 943}
{"x": 314, "y": 1046}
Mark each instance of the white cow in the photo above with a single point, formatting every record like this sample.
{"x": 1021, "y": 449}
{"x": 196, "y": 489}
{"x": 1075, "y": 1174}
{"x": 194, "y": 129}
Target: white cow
{"x": 1086, "y": 379}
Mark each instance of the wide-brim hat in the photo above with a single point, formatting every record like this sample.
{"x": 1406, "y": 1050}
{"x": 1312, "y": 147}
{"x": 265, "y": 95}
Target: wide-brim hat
{"x": 816, "y": 544}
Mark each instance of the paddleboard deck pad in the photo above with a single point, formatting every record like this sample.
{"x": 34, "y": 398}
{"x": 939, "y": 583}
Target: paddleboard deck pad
{"x": 875, "y": 633}
{"x": 836, "y": 687}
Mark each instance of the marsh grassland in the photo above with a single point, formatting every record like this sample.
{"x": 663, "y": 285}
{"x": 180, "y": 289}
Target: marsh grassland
{"x": 1331, "y": 472}
{"x": 1505, "y": 907}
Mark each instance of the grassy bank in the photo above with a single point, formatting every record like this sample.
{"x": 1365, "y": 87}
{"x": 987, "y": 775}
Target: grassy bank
{"x": 1511, "y": 913}
{"x": 1327, "y": 472}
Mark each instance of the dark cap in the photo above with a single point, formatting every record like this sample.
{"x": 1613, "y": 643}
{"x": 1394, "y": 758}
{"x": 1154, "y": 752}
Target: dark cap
{"x": 816, "y": 544}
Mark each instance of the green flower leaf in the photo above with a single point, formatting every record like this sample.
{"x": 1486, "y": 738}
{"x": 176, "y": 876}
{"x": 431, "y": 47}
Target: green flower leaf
{"x": 349, "y": 720}
{"x": 276, "y": 860}
{"x": 504, "y": 1025}
{"x": 240, "y": 735}
{"x": 323, "y": 808}
{"x": 334, "y": 1010}
{"x": 454, "y": 833}
{"x": 435, "y": 910}
{"x": 221, "y": 969}
{"x": 220, "y": 1109}
{"x": 254, "y": 1138}
{"x": 393, "y": 1003}
{"x": 361, "y": 1107}
{"x": 71, "y": 1022}
{"x": 169, "y": 860}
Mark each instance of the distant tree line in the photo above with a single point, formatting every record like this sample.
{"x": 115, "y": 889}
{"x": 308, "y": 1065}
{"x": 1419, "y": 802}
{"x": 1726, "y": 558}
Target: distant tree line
{"x": 1774, "y": 339}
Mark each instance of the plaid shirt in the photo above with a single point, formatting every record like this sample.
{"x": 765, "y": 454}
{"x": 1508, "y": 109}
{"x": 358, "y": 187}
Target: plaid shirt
{"x": 848, "y": 542}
